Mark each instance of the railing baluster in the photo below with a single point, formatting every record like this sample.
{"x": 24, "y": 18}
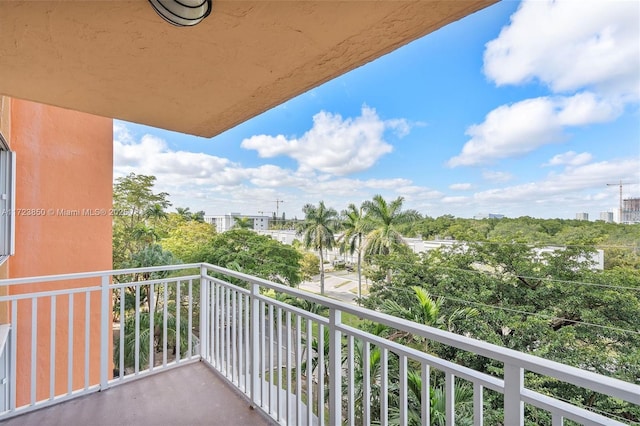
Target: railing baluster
{"x": 478, "y": 409}
{"x": 404, "y": 400}
{"x": 106, "y": 334}
{"x": 87, "y": 337}
{"x": 279, "y": 362}
{"x": 298, "y": 369}
{"x": 14, "y": 353}
{"x": 556, "y": 420}
{"x": 70, "y": 346}
{"x": 227, "y": 331}
{"x": 263, "y": 338}
{"x": 137, "y": 333}
{"x": 384, "y": 386}
{"x": 449, "y": 398}
{"x": 122, "y": 326}
{"x": 351, "y": 382}
{"x": 335, "y": 368}
{"x": 178, "y": 314}
{"x": 215, "y": 324}
{"x": 234, "y": 346}
{"x": 255, "y": 344}
{"x": 513, "y": 385}
{"x": 288, "y": 392}
{"x": 366, "y": 383}
{"x": 309, "y": 372}
{"x": 321, "y": 374}
{"x": 425, "y": 397}
{"x": 204, "y": 315}
{"x": 270, "y": 367}
{"x": 34, "y": 347}
{"x": 165, "y": 315}
{"x": 52, "y": 349}
{"x": 152, "y": 326}
{"x": 241, "y": 332}
{"x": 247, "y": 346}
{"x": 190, "y": 320}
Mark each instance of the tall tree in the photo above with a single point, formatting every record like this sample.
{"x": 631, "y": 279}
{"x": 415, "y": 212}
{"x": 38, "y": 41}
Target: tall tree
{"x": 351, "y": 240}
{"x": 135, "y": 205}
{"x": 317, "y": 231}
{"x": 384, "y": 218}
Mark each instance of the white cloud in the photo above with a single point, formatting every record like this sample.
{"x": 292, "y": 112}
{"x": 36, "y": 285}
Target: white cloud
{"x": 570, "y": 158}
{"x": 333, "y": 145}
{"x": 496, "y": 176}
{"x": 217, "y": 185}
{"x": 570, "y": 45}
{"x": 557, "y": 186}
{"x": 460, "y": 186}
{"x": 587, "y": 53}
{"x": 517, "y": 129}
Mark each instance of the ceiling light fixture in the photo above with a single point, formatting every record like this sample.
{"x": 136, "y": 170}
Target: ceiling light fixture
{"x": 182, "y": 13}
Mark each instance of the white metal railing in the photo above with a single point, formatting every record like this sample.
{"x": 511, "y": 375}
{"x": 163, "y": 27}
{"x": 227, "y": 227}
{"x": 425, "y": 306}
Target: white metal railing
{"x": 306, "y": 360}
{"x": 296, "y": 365}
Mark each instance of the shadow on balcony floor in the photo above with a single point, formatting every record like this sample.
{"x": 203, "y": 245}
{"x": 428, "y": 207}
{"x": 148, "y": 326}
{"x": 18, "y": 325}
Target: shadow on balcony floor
{"x": 189, "y": 395}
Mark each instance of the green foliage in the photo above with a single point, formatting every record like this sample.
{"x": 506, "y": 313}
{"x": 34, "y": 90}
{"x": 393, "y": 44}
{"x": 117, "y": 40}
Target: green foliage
{"x": 309, "y": 265}
{"x": 259, "y": 255}
{"x": 243, "y": 223}
{"x": 550, "y": 304}
{"x": 187, "y": 239}
{"x": 138, "y": 211}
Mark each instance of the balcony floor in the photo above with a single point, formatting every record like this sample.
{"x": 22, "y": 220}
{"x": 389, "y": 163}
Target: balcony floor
{"x": 189, "y": 395}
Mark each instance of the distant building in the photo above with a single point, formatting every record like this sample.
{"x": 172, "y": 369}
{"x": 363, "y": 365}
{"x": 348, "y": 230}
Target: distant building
{"x": 606, "y": 217}
{"x": 481, "y": 216}
{"x": 582, "y": 216}
{"x": 228, "y": 221}
{"x": 631, "y": 210}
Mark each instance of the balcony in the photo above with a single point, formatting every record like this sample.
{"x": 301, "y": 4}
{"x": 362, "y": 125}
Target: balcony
{"x": 205, "y": 343}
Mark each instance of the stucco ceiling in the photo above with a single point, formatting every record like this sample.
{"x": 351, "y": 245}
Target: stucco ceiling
{"x": 119, "y": 59}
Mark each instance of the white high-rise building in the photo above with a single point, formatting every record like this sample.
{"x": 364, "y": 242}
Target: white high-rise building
{"x": 606, "y": 217}
{"x": 582, "y": 216}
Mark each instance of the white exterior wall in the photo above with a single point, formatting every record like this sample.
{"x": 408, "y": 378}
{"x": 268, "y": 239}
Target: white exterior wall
{"x": 227, "y": 221}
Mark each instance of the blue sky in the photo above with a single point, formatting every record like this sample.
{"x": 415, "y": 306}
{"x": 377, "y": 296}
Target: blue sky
{"x": 524, "y": 108}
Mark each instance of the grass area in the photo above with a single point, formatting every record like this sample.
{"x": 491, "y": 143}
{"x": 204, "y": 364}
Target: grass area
{"x": 365, "y": 290}
{"x": 342, "y": 284}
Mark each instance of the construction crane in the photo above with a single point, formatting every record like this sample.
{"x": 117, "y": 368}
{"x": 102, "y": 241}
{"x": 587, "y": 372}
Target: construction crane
{"x": 620, "y": 205}
{"x": 278, "y": 207}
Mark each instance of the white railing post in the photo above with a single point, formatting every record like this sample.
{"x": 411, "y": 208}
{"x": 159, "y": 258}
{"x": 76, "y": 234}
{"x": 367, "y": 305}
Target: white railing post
{"x": 204, "y": 314}
{"x": 513, "y": 386}
{"x": 255, "y": 344}
{"x": 105, "y": 328}
{"x": 335, "y": 368}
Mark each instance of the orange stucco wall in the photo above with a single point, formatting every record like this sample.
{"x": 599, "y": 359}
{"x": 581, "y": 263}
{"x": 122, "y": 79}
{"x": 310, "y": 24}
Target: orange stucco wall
{"x": 64, "y": 162}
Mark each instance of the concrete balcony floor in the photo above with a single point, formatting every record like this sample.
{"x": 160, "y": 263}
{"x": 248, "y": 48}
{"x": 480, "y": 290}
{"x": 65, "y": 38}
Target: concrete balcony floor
{"x": 190, "y": 395}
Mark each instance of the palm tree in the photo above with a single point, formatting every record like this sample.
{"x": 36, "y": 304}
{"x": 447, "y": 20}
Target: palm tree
{"x": 354, "y": 229}
{"x": 317, "y": 231}
{"x": 155, "y": 213}
{"x": 426, "y": 310}
{"x": 243, "y": 223}
{"x": 384, "y": 219}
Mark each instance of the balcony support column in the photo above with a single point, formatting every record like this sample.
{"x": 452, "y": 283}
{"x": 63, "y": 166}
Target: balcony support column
{"x": 335, "y": 367}
{"x": 255, "y": 345}
{"x": 105, "y": 328}
{"x": 513, "y": 386}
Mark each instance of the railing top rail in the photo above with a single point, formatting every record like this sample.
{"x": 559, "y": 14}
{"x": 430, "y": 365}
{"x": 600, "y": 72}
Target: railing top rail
{"x": 95, "y": 274}
{"x": 583, "y": 378}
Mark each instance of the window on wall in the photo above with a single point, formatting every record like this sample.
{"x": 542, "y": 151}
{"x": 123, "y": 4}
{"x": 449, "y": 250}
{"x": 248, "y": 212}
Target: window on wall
{"x": 7, "y": 199}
